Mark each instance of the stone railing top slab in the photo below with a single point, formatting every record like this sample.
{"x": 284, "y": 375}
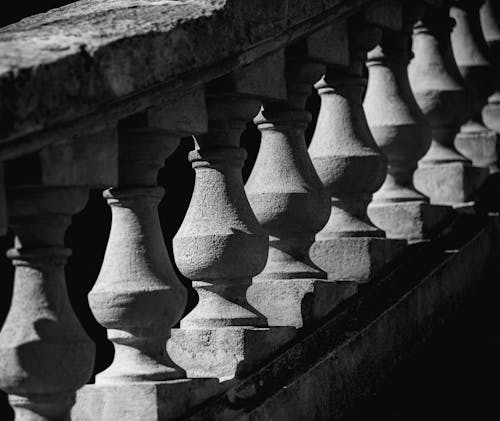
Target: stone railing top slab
{"x": 59, "y": 65}
{"x": 89, "y": 56}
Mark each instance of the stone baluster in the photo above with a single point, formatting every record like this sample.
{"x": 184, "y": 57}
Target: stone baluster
{"x": 287, "y": 195}
{"x": 45, "y": 353}
{"x": 351, "y": 167}
{"x": 401, "y": 131}
{"x": 490, "y": 24}
{"x": 444, "y": 175}
{"x": 137, "y": 296}
{"x": 3, "y": 207}
{"x": 220, "y": 245}
{"x": 474, "y": 141}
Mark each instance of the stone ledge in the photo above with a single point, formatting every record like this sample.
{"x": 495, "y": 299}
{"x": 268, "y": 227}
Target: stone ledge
{"x": 105, "y": 52}
{"x": 328, "y": 372}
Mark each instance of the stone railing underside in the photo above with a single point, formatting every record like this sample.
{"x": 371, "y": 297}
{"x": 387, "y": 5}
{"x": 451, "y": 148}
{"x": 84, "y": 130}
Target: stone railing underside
{"x": 92, "y": 62}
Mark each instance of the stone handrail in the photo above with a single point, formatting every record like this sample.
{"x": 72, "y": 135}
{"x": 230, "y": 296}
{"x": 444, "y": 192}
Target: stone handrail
{"x": 121, "y": 56}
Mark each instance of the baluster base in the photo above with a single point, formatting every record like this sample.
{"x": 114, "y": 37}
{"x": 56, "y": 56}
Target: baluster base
{"x": 151, "y": 401}
{"x": 356, "y": 259}
{"x": 412, "y": 221}
{"x": 225, "y": 352}
{"x": 297, "y": 302}
{"x": 480, "y": 146}
{"x": 450, "y": 183}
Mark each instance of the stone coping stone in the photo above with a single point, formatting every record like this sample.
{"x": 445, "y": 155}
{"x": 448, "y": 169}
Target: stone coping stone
{"x": 86, "y": 56}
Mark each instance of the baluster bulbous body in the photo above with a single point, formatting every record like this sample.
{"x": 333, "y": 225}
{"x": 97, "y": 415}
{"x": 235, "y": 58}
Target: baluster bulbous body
{"x": 137, "y": 295}
{"x": 444, "y": 175}
{"x": 474, "y": 141}
{"x": 45, "y": 353}
{"x": 401, "y": 131}
{"x": 352, "y": 168}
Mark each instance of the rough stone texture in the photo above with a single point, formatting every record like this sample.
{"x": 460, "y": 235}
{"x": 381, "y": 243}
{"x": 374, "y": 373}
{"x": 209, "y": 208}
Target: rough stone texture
{"x": 3, "y": 207}
{"x": 444, "y": 175}
{"x": 333, "y": 369}
{"x": 349, "y": 164}
{"x": 88, "y": 160}
{"x": 402, "y": 133}
{"x": 226, "y": 352}
{"x": 413, "y": 221}
{"x": 470, "y": 52}
{"x": 297, "y": 302}
{"x": 284, "y": 190}
{"x": 46, "y": 355}
{"x": 137, "y": 295}
{"x": 108, "y": 51}
{"x": 152, "y": 401}
{"x": 490, "y": 24}
{"x": 480, "y": 146}
{"x": 450, "y": 183}
{"x": 356, "y": 259}
{"x": 220, "y": 244}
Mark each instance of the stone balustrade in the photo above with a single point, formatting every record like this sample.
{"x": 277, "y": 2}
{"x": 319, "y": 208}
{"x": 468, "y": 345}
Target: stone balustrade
{"x": 98, "y": 95}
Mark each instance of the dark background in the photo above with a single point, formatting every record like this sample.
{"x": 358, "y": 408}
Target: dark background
{"x": 448, "y": 378}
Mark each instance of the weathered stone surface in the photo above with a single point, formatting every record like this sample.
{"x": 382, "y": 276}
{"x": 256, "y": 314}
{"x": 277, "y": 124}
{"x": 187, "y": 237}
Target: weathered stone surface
{"x": 284, "y": 190}
{"x": 403, "y": 134}
{"x": 89, "y": 160}
{"x": 297, "y": 302}
{"x": 480, "y": 146}
{"x": 389, "y": 15}
{"x": 355, "y": 259}
{"x": 106, "y": 51}
{"x": 491, "y": 112}
{"x": 45, "y": 353}
{"x": 3, "y": 207}
{"x": 332, "y": 370}
{"x": 151, "y": 401}
{"x": 137, "y": 296}
{"x": 471, "y": 54}
{"x": 413, "y": 221}
{"x": 349, "y": 164}
{"x": 451, "y": 183}
{"x": 438, "y": 88}
{"x": 490, "y": 24}
{"x": 226, "y": 352}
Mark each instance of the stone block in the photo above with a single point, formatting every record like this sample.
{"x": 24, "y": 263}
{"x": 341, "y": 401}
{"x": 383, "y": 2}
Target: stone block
{"x": 355, "y": 259}
{"x": 225, "y": 352}
{"x": 480, "y": 147}
{"x": 89, "y": 160}
{"x": 387, "y": 15}
{"x": 185, "y": 116}
{"x": 412, "y": 221}
{"x": 3, "y": 206}
{"x": 151, "y": 401}
{"x": 262, "y": 78}
{"x": 297, "y": 302}
{"x": 491, "y": 112}
{"x": 329, "y": 45}
{"x": 449, "y": 183}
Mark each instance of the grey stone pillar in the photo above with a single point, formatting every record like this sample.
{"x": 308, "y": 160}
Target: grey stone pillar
{"x": 404, "y": 136}
{"x": 288, "y": 197}
{"x": 220, "y": 244}
{"x": 45, "y": 353}
{"x": 490, "y": 24}
{"x": 351, "y": 167}
{"x": 474, "y": 141}
{"x": 137, "y": 296}
{"x": 444, "y": 175}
